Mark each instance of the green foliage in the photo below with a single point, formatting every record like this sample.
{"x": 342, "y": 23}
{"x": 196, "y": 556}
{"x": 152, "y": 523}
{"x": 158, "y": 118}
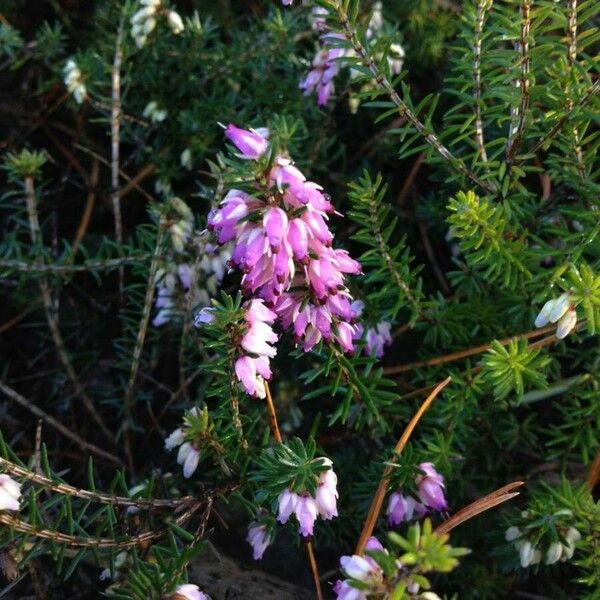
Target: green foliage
{"x": 511, "y": 368}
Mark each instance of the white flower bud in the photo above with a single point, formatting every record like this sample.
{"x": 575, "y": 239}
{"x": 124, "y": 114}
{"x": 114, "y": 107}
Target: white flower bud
{"x": 526, "y": 553}
{"x": 566, "y": 324}
{"x": 512, "y": 533}
{"x": 175, "y": 22}
{"x": 554, "y": 553}
{"x": 561, "y": 306}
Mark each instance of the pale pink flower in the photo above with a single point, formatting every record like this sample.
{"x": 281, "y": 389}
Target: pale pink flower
{"x": 306, "y": 513}
{"x": 287, "y": 502}
{"x": 259, "y": 539}
{"x": 431, "y": 487}
{"x": 188, "y": 591}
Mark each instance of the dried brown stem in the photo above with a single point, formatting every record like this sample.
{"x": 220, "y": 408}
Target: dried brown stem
{"x": 89, "y": 206}
{"x": 594, "y": 473}
{"x": 460, "y": 354}
{"x": 379, "y": 496}
{"x": 480, "y": 505}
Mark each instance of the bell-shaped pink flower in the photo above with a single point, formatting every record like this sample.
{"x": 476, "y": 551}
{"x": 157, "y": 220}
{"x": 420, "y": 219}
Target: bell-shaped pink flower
{"x": 297, "y": 236}
{"x": 259, "y": 539}
{"x": 251, "y": 144}
{"x": 188, "y": 591}
{"x": 287, "y": 503}
{"x": 306, "y": 513}
{"x": 431, "y": 487}
{"x": 327, "y": 494}
{"x": 275, "y": 223}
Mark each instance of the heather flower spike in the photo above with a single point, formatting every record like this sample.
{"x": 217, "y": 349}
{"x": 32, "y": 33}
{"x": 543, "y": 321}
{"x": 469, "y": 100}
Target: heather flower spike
{"x": 282, "y": 242}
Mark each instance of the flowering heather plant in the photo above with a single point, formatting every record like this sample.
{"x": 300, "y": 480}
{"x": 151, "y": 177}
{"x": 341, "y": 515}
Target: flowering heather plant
{"x": 279, "y": 277}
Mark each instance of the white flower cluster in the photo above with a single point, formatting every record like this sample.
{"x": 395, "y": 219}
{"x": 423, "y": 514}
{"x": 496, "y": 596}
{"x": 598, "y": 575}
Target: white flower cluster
{"x": 154, "y": 113}
{"x": 143, "y": 21}
{"x": 74, "y": 81}
{"x": 561, "y": 312}
{"x": 530, "y": 555}
{"x": 10, "y": 493}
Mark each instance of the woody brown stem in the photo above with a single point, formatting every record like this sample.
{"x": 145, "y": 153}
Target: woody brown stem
{"x": 379, "y": 496}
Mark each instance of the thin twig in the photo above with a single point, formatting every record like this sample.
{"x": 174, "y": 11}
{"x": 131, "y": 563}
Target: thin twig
{"x": 36, "y": 240}
{"x": 89, "y": 206}
{"x": 482, "y": 8}
{"x": 115, "y": 124}
{"x": 67, "y": 269}
{"x": 89, "y": 542}
{"x": 571, "y": 59}
{"x": 517, "y": 126}
{"x": 428, "y": 135}
{"x": 141, "y": 337}
{"x": 594, "y": 473}
{"x": 587, "y": 96}
{"x": 272, "y": 414}
{"x": 379, "y": 496}
{"x": 38, "y": 412}
{"x": 480, "y": 505}
{"x": 69, "y": 490}
{"x": 460, "y": 354}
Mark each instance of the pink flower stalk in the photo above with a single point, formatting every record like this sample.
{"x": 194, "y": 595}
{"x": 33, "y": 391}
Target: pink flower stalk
{"x": 431, "y": 487}
{"x": 283, "y": 241}
{"x": 253, "y": 368}
{"x": 259, "y": 539}
{"x": 188, "y": 591}
{"x": 324, "y": 69}
{"x": 252, "y": 143}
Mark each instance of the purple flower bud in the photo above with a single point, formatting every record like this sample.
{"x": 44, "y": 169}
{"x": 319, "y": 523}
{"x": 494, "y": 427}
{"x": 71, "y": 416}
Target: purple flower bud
{"x": 250, "y": 143}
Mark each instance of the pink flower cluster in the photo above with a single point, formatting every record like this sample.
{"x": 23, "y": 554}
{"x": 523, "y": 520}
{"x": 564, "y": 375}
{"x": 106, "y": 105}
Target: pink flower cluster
{"x": 305, "y": 507}
{"x": 253, "y": 367}
{"x": 283, "y": 245}
{"x": 361, "y": 569}
{"x": 430, "y": 489}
